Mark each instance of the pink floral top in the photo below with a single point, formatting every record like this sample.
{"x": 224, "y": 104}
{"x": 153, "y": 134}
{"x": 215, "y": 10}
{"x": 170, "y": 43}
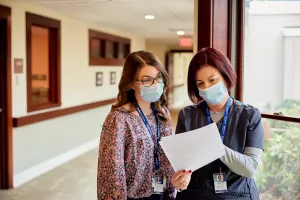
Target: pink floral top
{"x": 125, "y": 164}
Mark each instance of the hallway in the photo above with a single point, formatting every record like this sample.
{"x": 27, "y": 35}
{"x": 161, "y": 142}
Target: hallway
{"x": 75, "y": 180}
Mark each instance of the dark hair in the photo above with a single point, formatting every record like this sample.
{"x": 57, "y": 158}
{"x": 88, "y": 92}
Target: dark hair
{"x": 133, "y": 63}
{"x": 209, "y": 56}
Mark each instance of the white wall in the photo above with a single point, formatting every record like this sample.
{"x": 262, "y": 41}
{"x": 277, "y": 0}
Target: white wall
{"x": 264, "y": 50}
{"x": 37, "y": 143}
{"x": 291, "y": 80}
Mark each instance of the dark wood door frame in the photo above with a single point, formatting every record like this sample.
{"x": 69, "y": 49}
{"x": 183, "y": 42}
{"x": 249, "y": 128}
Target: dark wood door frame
{"x": 6, "y": 163}
{"x": 216, "y": 29}
{"x": 214, "y": 25}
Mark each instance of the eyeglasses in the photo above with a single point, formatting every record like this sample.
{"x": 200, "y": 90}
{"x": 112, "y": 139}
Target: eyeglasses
{"x": 147, "y": 81}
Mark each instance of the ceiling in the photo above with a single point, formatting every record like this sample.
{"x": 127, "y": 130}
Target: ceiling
{"x": 128, "y": 15}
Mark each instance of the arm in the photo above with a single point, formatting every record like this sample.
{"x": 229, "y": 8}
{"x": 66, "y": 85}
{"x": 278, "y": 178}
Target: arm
{"x": 246, "y": 164}
{"x": 111, "y": 179}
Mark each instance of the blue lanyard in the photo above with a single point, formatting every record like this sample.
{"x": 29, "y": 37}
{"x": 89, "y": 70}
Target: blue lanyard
{"x": 156, "y": 159}
{"x": 225, "y": 118}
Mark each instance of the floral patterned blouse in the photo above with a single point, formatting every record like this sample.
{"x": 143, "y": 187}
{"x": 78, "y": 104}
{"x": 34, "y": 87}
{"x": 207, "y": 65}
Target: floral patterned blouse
{"x": 125, "y": 164}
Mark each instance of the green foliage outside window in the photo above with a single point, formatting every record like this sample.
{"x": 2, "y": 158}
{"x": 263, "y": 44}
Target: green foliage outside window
{"x": 279, "y": 175}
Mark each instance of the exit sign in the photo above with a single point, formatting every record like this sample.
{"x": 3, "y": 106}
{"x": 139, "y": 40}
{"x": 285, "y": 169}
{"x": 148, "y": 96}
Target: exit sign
{"x": 185, "y": 42}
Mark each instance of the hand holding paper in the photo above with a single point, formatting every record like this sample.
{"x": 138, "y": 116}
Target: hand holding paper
{"x": 194, "y": 149}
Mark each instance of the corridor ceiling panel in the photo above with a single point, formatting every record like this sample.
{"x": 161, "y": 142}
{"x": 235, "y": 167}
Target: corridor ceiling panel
{"x": 128, "y": 15}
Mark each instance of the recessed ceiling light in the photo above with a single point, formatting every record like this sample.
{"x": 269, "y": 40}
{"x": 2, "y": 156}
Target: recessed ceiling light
{"x": 180, "y": 32}
{"x": 149, "y": 17}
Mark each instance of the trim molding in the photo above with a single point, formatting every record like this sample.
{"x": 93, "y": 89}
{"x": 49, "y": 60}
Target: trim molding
{"x": 30, "y": 119}
{"x": 177, "y": 86}
{"x": 181, "y": 51}
{"x": 54, "y": 162}
{"x": 281, "y": 118}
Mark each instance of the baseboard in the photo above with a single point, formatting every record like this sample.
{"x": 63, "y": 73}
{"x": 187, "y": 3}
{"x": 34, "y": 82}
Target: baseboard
{"x": 52, "y": 163}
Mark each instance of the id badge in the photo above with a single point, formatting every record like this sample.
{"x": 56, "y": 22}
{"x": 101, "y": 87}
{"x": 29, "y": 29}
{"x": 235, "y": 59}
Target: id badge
{"x": 158, "y": 184}
{"x": 220, "y": 182}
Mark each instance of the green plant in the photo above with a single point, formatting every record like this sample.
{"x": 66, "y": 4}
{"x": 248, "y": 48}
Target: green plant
{"x": 279, "y": 176}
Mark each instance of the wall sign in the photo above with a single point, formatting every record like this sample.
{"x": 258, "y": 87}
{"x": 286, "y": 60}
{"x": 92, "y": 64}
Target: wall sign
{"x": 99, "y": 78}
{"x": 18, "y": 66}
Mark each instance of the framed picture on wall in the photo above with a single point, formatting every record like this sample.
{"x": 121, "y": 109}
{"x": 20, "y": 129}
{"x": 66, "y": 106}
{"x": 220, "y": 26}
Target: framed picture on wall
{"x": 113, "y": 78}
{"x": 99, "y": 78}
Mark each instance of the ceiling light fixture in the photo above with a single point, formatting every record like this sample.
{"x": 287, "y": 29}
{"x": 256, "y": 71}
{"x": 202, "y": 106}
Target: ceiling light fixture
{"x": 180, "y": 32}
{"x": 149, "y": 17}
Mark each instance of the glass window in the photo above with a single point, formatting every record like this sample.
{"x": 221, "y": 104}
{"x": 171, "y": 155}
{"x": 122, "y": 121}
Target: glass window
{"x": 109, "y": 53}
{"x": 279, "y": 172}
{"x": 271, "y": 56}
{"x": 121, "y": 52}
{"x": 96, "y": 48}
{"x": 39, "y": 65}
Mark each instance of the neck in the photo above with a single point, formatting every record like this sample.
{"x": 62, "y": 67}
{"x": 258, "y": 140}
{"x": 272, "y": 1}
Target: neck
{"x": 219, "y": 107}
{"x": 145, "y": 106}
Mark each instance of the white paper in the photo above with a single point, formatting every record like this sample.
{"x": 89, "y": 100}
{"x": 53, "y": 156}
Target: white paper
{"x": 194, "y": 149}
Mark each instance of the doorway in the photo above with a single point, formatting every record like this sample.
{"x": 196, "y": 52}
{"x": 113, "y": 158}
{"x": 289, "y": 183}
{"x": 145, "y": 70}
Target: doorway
{"x": 6, "y": 168}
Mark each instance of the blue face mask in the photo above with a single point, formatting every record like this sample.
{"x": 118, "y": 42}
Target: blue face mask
{"x": 153, "y": 93}
{"x": 214, "y": 94}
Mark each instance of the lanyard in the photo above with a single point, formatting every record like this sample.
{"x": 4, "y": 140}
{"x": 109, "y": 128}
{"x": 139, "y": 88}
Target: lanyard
{"x": 225, "y": 118}
{"x": 158, "y": 135}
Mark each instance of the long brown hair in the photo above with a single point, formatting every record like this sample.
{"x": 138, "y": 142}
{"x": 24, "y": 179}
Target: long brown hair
{"x": 133, "y": 63}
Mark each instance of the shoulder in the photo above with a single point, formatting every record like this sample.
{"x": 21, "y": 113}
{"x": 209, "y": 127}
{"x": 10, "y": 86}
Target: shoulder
{"x": 117, "y": 116}
{"x": 245, "y": 109}
{"x": 191, "y": 110}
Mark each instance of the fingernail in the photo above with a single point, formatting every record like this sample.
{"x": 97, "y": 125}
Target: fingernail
{"x": 190, "y": 171}
{"x": 184, "y": 171}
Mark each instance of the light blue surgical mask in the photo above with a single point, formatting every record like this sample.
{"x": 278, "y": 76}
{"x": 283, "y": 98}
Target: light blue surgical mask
{"x": 214, "y": 94}
{"x": 153, "y": 93}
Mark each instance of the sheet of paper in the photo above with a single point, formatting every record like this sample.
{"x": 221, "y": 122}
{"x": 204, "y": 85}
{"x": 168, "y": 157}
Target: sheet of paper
{"x": 194, "y": 149}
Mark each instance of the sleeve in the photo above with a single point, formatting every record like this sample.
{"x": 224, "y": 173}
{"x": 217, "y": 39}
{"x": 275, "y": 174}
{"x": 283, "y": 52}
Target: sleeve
{"x": 172, "y": 192}
{"x": 245, "y": 164}
{"x": 255, "y": 131}
{"x": 111, "y": 179}
{"x": 180, "y": 128}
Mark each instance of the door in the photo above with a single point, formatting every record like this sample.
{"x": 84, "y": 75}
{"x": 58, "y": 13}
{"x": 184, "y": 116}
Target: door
{"x": 169, "y": 68}
{"x": 6, "y": 174}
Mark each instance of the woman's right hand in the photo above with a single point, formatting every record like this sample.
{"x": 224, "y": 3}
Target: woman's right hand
{"x": 181, "y": 179}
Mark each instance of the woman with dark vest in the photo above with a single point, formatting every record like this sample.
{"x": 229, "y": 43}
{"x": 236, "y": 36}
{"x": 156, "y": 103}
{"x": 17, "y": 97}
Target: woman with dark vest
{"x": 210, "y": 78}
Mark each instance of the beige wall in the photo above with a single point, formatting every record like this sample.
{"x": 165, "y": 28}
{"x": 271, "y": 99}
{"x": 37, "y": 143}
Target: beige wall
{"x": 76, "y": 75}
{"x": 160, "y": 50}
{"x": 35, "y": 144}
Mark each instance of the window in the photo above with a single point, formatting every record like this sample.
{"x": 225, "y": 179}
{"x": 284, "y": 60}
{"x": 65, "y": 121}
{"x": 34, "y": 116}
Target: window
{"x": 97, "y": 48}
{"x": 279, "y": 172}
{"x": 43, "y": 62}
{"x": 271, "y": 57}
{"x": 271, "y": 83}
{"x": 107, "y": 50}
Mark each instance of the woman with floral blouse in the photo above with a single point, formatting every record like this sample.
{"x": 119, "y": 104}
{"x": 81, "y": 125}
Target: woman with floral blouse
{"x": 131, "y": 163}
